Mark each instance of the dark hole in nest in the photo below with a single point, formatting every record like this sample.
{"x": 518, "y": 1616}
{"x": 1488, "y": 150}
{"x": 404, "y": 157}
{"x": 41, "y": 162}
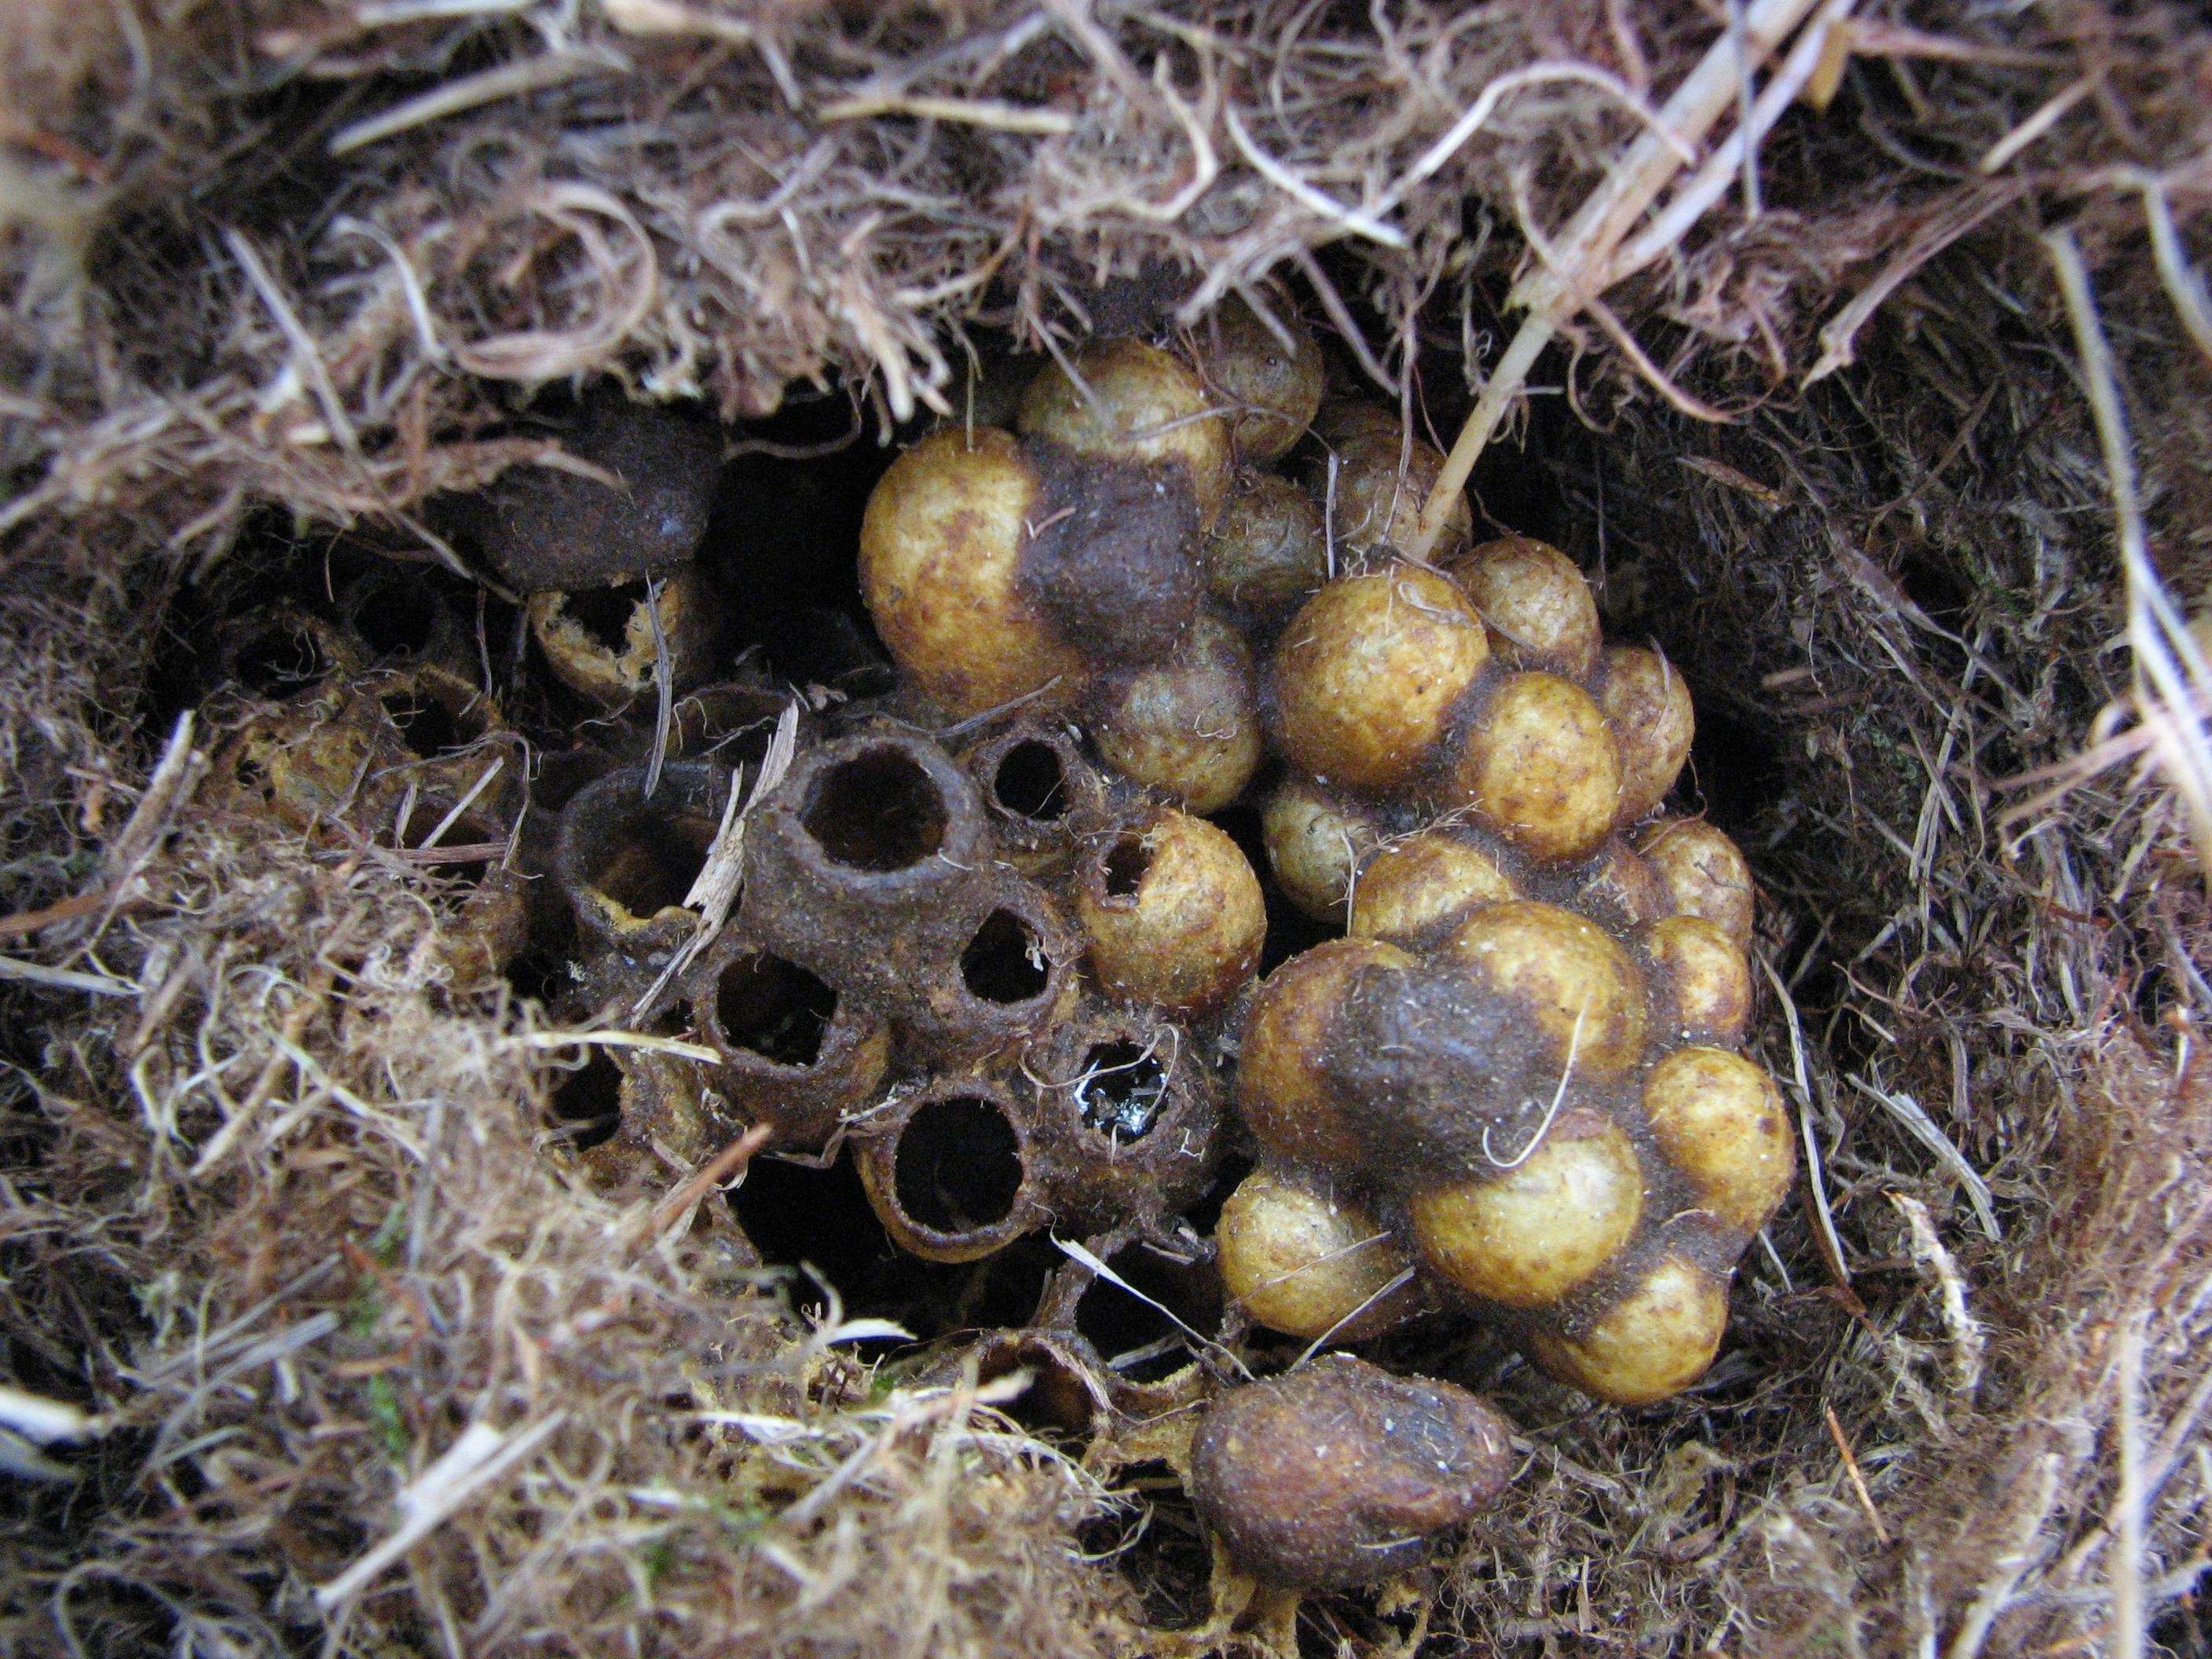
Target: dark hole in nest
{"x": 785, "y": 531}
{"x": 1056, "y": 1403}
{"x": 1005, "y": 962}
{"x": 1937, "y": 591}
{"x": 878, "y": 810}
{"x": 1125, "y": 866}
{"x": 1738, "y": 767}
{"x": 277, "y": 661}
{"x": 1031, "y": 784}
{"x": 1139, "y": 1340}
{"x": 396, "y": 617}
{"x": 1167, "y": 1562}
{"x": 539, "y": 975}
{"x": 959, "y": 1165}
{"x": 588, "y": 1102}
{"x": 652, "y": 861}
{"x": 794, "y": 1213}
{"x": 1122, "y": 1090}
{"x": 604, "y": 613}
{"x": 426, "y": 725}
{"x": 774, "y": 1008}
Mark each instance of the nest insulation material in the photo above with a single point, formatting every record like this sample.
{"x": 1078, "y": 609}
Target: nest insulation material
{"x": 1889, "y": 427}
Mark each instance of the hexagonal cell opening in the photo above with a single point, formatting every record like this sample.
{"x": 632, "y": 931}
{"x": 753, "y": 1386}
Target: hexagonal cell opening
{"x": 1005, "y": 962}
{"x": 1030, "y": 782}
{"x": 876, "y": 811}
{"x": 959, "y": 1165}
{"x": 604, "y": 613}
{"x": 277, "y": 661}
{"x": 774, "y": 1008}
{"x": 1126, "y": 865}
{"x": 1123, "y": 1090}
{"x": 652, "y": 859}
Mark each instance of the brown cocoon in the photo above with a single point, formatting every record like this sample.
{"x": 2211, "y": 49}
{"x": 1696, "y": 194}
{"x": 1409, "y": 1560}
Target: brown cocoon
{"x": 1265, "y": 556}
{"x": 868, "y": 863}
{"x": 1283, "y": 1091}
{"x": 1417, "y": 888}
{"x": 941, "y": 547}
{"x": 797, "y": 1054}
{"x": 1174, "y": 913}
{"x": 1718, "y": 1119}
{"x": 1539, "y": 609}
{"x": 544, "y": 528}
{"x": 1126, "y": 1125}
{"x": 437, "y": 732}
{"x": 1315, "y": 838}
{"x": 484, "y": 920}
{"x": 1526, "y": 1236}
{"x": 665, "y": 1125}
{"x": 1340, "y": 1473}
{"x": 1701, "y": 983}
{"x": 1537, "y": 764}
{"x": 598, "y": 642}
{"x": 625, "y": 864}
{"x": 1274, "y": 387}
{"x": 1305, "y": 1259}
{"x": 398, "y": 614}
{"x": 1438, "y": 1071}
{"x": 1584, "y": 990}
{"x": 1620, "y": 891}
{"x": 1654, "y": 1342}
{"x": 1377, "y": 501}
{"x": 874, "y": 826}
{"x": 1134, "y": 403}
{"x": 1705, "y": 873}
{"x": 1190, "y": 727}
{"x": 309, "y": 760}
{"x": 1366, "y": 676}
{"x": 949, "y": 1169}
{"x": 1109, "y": 559}
{"x": 1648, "y": 706}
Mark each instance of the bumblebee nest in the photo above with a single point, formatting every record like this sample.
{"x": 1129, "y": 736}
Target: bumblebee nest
{"x": 331, "y": 1349}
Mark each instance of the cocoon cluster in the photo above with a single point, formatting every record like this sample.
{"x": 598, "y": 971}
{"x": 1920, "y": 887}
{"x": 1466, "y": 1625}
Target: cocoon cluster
{"x": 1515, "y": 1085}
{"x": 1114, "y": 556}
{"x": 1000, "y": 975}
{"x": 1519, "y": 1069}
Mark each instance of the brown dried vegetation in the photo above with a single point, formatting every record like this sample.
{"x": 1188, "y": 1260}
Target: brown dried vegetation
{"x": 278, "y": 1208}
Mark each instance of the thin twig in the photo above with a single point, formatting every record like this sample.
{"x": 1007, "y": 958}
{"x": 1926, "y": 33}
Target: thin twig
{"x": 1851, "y": 1470}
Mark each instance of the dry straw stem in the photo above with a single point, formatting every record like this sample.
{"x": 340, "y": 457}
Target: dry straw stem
{"x": 1581, "y": 261}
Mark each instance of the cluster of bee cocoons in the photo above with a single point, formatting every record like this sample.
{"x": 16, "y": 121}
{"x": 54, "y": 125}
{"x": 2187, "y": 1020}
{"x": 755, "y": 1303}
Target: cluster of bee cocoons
{"x": 1516, "y": 1082}
{"x": 1515, "y": 1085}
{"x": 990, "y": 970}
{"x": 986, "y": 936}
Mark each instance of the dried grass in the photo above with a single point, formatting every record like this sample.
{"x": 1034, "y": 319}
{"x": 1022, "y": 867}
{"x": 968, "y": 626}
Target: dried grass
{"x": 285, "y": 1214}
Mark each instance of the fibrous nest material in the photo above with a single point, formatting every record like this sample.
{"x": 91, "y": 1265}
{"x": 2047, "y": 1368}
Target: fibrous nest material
{"x": 356, "y": 1360}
